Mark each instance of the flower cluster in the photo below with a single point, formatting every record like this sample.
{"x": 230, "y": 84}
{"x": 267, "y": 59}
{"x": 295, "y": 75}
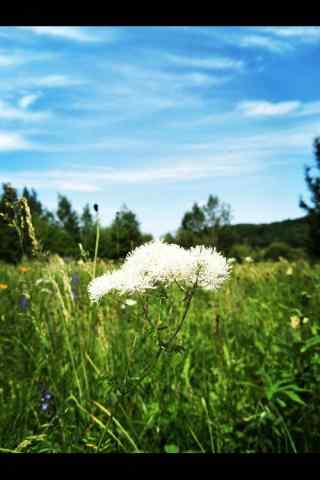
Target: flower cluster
{"x": 46, "y": 402}
{"x": 156, "y": 263}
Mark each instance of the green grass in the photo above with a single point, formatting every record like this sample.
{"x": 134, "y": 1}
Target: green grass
{"x": 239, "y": 378}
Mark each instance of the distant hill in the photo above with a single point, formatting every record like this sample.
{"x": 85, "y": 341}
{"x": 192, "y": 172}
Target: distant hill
{"x": 293, "y": 232}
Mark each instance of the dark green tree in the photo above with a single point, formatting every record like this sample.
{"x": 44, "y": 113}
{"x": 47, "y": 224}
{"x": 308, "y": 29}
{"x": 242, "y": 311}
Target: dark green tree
{"x": 34, "y": 203}
{"x": 313, "y": 211}
{"x": 69, "y": 221}
{"x": 169, "y": 238}
{"x": 204, "y": 225}
{"x": 10, "y": 246}
{"x": 124, "y": 234}
{"x": 88, "y": 230}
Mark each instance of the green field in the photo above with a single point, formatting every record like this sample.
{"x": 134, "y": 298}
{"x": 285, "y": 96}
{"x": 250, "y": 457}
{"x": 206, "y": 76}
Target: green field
{"x": 242, "y": 376}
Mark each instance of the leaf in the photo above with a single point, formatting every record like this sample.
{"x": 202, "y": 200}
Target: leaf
{"x": 311, "y": 343}
{"x": 294, "y": 396}
{"x": 171, "y": 448}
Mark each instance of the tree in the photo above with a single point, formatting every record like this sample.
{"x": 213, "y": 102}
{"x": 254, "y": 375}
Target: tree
{"x": 69, "y": 221}
{"x": 313, "y": 211}
{"x": 88, "y": 230}
{"x": 124, "y": 234}
{"x": 35, "y": 205}
{"x": 204, "y": 225}
{"x": 10, "y": 247}
{"x": 169, "y": 238}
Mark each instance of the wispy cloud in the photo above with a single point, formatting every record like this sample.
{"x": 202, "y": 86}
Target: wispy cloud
{"x": 274, "y": 142}
{"x": 18, "y": 57}
{"x": 13, "y": 141}
{"x": 53, "y": 81}
{"x": 9, "y": 112}
{"x": 305, "y": 34}
{"x": 27, "y": 100}
{"x": 267, "y": 109}
{"x": 156, "y": 79}
{"x": 175, "y": 170}
{"x": 264, "y": 42}
{"x": 245, "y": 37}
{"x": 77, "y": 34}
{"x": 210, "y": 63}
{"x": 263, "y": 108}
{"x": 134, "y": 90}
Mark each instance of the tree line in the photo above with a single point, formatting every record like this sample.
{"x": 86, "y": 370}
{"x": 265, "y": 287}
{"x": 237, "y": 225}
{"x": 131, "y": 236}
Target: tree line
{"x": 26, "y": 226}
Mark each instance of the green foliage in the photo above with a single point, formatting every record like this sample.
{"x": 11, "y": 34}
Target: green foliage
{"x": 279, "y": 249}
{"x": 313, "y": 184}
{"x": 239, "y": 379}
{"x": 69, "y": 220}
{"x": 240, "y": 251}
{"x": 124, "y": 234}
{"x": 204, "y": 225}
{"x": 10, "y": 247}
{"x": 292, "y": 232}
{"x": 88, "y": 230}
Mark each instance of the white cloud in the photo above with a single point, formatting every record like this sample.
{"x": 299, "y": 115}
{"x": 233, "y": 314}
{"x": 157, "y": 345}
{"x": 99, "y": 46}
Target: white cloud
{"x": 308, "y": 34}
{"x": 273, "y": 143}
{"x": 267, "y": 43}
{"x": 263, "y": 108}
{"x": 310, "y": 108}
{"x": 27, "y": 100}
{"x": 68, "y": 33}
{"x": 13, "y": 141}
{"x": 13, "y": 58}
{"x": 176, "y": 170}
{"x": 267, "y": 109}
{"x": 210, "y": 63}
{"x": 8, "y": 112}
{"x": 7, "y": 59}
{"x": 53, "y": 81}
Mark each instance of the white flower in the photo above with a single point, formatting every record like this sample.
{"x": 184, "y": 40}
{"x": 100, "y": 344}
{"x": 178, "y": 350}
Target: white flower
{"x": 232, "y": 260}
{"x": 295, "y": 321}
{"x": 157, "y": 262}
{"x": 130, "y": 302}
{"x": 248, "y": 259}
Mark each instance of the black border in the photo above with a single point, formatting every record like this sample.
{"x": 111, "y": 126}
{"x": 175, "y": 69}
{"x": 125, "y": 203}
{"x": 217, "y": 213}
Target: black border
{"x": 132, "y": 14}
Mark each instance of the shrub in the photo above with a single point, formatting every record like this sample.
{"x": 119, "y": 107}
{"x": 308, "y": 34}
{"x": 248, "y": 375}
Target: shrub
{"x": 281, "y": 249}
{"x": 241, "y": 251}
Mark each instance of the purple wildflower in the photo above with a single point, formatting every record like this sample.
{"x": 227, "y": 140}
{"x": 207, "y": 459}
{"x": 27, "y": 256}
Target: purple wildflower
{"x": 44, "y": 406}
{"x": 74, "y": 285}
{"x": 24, "y": 302}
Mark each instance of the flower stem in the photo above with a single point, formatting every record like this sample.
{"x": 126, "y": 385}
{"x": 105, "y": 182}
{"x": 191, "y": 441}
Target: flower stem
{"x": 96, "y": 247}
{"x": 163, "y": 346}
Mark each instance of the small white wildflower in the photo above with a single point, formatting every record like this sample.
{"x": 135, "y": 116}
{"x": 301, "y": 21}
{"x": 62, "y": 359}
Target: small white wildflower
{"x": 295, "y": 321}
{"x": 248, "y": 259}
{"x": 130, "y": 302}
{"x": 232, "y": 260}
{"x": 157, "y": 262}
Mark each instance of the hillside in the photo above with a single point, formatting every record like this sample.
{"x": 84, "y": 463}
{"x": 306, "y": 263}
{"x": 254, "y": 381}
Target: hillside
{"x": 293, "y": 232}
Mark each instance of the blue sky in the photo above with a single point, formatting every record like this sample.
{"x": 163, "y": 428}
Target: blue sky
{"x": 160, "y": 117}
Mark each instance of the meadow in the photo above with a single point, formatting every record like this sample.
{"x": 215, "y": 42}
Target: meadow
{"x": 243, "y": 374}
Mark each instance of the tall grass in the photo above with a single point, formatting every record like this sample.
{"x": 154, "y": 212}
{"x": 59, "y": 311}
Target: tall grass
{"x": 242, "y": 380}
